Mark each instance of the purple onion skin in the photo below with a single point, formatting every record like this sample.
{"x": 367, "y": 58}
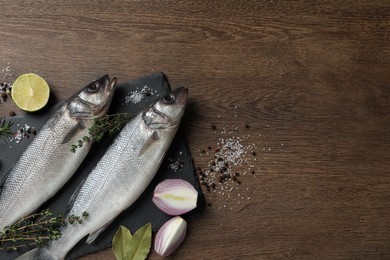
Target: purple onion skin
{"x": 167, "y": 227}
{"x": 170, "y": 185}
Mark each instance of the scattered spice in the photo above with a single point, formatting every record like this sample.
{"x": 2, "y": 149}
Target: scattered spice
{"x": 176, "y": 165}
{"x": 136, "y": 96}
{"x": 226, "y": 172}
{"x": 5, "y": 91}
{"x": 5, "y": 87}
{"x": 12, "y": 113}
{"x": 23, "y": 132}
{"x": 7, "y": 70}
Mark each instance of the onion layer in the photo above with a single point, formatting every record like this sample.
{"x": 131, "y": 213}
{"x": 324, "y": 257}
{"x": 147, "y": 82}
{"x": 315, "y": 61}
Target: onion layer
{"x": 170, "y": 236}
{"x": 175, "y": 197}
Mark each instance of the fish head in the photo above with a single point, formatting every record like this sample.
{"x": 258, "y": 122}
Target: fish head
{"x": 93, "y": 101}
{"x": 166, "y": 112}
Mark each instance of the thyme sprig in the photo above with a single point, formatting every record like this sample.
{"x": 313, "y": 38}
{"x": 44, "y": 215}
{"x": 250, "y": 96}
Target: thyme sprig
{"x": 109, "y": 124}
{"x": 36, "y": 230}
{"x": 5, "y": 128}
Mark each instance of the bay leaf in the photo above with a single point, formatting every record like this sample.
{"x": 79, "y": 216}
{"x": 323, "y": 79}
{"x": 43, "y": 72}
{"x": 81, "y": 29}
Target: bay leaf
{"x": 121, "y": 243}
{"x": 140, "y": 243}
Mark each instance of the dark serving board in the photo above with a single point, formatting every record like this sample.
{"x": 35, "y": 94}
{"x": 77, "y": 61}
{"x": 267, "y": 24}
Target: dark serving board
{"x": 143, "y": 210}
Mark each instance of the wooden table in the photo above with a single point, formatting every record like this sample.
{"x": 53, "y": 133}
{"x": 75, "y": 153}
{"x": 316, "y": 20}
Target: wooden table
{"x": 303, "y": 84}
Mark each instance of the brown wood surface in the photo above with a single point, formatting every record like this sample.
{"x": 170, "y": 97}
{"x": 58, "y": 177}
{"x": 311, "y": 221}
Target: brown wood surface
{"x": 310, "y": 78}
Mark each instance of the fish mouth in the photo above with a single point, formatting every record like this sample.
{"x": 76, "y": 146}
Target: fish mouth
{"x": 109, "y": 85}
{"x": 181, "y": 95}
{"x": 108, "y": 88}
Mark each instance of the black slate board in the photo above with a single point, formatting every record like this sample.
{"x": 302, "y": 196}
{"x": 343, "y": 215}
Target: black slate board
{"x": 143, "y": 210}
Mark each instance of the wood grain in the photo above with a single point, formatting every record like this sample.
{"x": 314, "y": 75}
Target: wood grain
{"x": 310, "y": 78}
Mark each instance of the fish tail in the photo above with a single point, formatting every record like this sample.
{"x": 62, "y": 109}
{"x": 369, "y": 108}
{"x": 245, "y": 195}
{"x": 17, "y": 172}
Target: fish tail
{"x": 37, "y": 254}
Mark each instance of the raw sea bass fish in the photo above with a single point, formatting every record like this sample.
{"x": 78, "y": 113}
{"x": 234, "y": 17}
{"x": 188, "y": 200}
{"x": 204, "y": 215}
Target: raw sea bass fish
{"x": 48, "y": 163}
{"x": 122, "y": 174}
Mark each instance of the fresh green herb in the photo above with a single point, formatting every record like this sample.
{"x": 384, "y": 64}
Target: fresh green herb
{"x": 132, "y": 247}
{"x": 109, "y": 124}
{"x": 5, "y": 128}
{"x": 36, "y": 230}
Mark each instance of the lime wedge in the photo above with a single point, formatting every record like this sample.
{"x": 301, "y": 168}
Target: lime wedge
{"x": 30, "y": 92}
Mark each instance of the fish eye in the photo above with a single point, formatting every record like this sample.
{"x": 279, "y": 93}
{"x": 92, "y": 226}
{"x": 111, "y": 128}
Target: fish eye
{"x": 94, "y": 87}
{"x": 169, "y": 99}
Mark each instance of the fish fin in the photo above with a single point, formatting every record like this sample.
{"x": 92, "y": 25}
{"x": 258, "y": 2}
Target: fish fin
{"x": 72, "y": 132}
{"x": 92, "y": 236}
{"x": 37, "y": 254}
{"x": 73, "y": 197}
{"x": 154, "y": 137}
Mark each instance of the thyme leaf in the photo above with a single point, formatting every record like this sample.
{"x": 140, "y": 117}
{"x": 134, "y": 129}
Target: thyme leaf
{"x": 109, "y": 124}
{"x": 36, "y": 230}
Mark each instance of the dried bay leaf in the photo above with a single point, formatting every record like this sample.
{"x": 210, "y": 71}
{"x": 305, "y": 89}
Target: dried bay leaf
{"x": 141, "y": 242}
{"x": 121, "y": 243}
{"x": 132, "y": 247}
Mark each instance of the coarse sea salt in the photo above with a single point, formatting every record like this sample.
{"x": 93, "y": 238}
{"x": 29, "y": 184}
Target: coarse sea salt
{"x": 176, "y": 165}
{"x": 225, "y": 171}
{"x": 6, "y": 69}
{"x": 23, "y": 133}
{"x": 137, "y": 95}
{"x": 5, "y": 86}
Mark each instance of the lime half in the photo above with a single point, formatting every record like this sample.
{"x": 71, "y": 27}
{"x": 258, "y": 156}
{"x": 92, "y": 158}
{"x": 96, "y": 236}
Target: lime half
{"x": 30, "y": 92}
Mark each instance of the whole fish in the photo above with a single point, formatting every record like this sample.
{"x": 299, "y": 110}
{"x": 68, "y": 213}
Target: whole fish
{"x": 122, "y": 174}
{"x": 48, "y": 163}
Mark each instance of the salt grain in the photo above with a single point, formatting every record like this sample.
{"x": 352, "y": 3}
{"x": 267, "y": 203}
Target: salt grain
{"x": 176, "y": 165}
{"x": 136, "y": 96}
{"x": 233, "y": 151}
{"x": 23, "y": 133}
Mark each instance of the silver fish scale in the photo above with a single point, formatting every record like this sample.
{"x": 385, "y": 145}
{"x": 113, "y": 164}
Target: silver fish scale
{"x": 46, "y": 160}
{"x": 117, "y": 181}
